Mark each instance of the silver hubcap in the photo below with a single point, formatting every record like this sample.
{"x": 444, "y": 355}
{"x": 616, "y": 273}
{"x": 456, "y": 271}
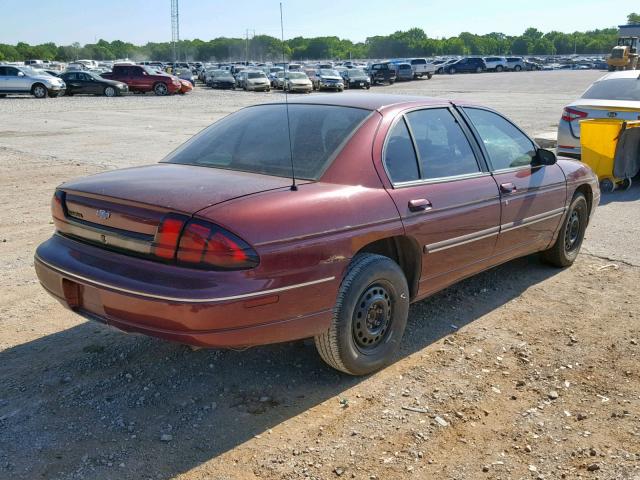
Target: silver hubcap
{"x": 109, "y": 92}
{"x": 39, "y": 92}
{"x": 161, "y": 89}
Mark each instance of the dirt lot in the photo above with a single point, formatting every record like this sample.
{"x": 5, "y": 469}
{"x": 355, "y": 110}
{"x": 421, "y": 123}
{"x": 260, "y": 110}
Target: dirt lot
{"x": 521, "y": 372}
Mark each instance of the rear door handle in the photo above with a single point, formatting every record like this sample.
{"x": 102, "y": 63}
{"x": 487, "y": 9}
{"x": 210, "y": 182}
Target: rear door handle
{"x": 508, "y": 188}
{"x": 420, "y": 205}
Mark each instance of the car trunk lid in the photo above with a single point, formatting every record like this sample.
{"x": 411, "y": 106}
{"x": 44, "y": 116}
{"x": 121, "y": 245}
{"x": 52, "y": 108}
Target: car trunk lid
{"x": 613, "y": 109}
{"x": 122, "y": 209}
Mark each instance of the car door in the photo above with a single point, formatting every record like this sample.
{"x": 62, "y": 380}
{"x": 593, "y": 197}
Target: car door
{"x": 532, "y": 197}
{"x": 447, "y": 199}
{"x": 14, "y": 80}
{"x": 4, "y": 80}
{"x": 86, "y": 83}
{"x": 73, "y": 82}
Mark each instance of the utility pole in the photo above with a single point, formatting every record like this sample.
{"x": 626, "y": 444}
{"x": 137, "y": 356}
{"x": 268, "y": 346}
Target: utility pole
{"x": 175, "y": 30}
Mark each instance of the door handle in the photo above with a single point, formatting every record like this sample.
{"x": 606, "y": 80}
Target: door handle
{"x": 420, "y": 205}
{"x": 508, "y": 188}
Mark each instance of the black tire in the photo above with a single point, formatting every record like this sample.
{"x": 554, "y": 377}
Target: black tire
{"x": 110, "y": 91}
{"x": 479, "y": 70}
{"x": 3, "y": 95}
{"x": 391, "y": 82}
{"x": 517, "y": 68}
{"x": 373, "y": 285}
{"x": 564, "y": 252}
{"x": 429, "y": 75}
{"x": 452, "y": 71}
{"x": 607, "y": 185}
{"x": 499, "y": 68}
{"x": 161, "y": 89}
{"x": 39, "y": 91}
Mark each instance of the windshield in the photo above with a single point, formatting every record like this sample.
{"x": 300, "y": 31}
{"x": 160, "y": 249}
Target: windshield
{"x": 328, "y": 73}
{"x": 356, "y": 73}
{"x": 235, "y": 142}
{"x": 297, "y": 76}
{"x": 615, "y": 89}
{"x": 149, "y": 70}
{"x": 256, "y": 75}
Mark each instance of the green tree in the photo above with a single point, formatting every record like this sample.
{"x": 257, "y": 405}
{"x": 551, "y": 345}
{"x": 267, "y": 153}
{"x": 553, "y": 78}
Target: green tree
{"x": 633, "y": 19}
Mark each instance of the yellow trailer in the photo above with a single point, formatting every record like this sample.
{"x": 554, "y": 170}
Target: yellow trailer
{"x": 612, "y": 149}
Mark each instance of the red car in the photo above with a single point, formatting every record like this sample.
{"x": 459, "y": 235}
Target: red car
{"x": 395, "y": 198}
{"x": 142, "y": 78}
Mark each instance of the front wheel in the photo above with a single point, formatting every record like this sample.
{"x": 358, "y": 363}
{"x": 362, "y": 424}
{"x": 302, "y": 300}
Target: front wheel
{"x": 499, "y": 68}
{"x": 479, "y": 70}
{"x": 110, "y": 92}
{"x": 429, "y": 75}
{"x": 564, "y": 252}
{"x": 369, "y": 317}
{"x": 452, "y": 71}
{"x": 39, "y": 91}
{"x": 517, "y": 68}
{"x": 160, "y": 89}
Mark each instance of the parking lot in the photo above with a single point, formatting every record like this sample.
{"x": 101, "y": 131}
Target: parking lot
{"x": 521, "y": 372}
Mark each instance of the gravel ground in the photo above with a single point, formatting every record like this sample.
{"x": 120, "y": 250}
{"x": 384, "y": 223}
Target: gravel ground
{"x": 521, "y": 372}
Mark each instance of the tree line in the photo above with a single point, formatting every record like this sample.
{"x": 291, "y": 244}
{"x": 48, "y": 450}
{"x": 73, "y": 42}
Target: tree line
{"x": 413, "y": 42}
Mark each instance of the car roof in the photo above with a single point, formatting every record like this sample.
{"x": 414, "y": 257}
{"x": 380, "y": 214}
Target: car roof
{"x": 620, "y": 74}
{"x": 368, "y": 101}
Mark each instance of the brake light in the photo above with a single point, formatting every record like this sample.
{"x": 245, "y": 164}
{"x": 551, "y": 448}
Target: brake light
{"x": 57, "y": 205}
{"x": 571, "y": 114}
{"x": 166, "y": 239}
{"x": 205, "y": 245}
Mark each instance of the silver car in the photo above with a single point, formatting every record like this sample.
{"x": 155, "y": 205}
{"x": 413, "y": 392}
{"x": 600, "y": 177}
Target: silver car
{"x": 255, "y": 80}
{"x": 496, "y": 64}
{"x": 616, "y": 96}
{"x": 30, "y": 81}
{"x": 297, "y": 82}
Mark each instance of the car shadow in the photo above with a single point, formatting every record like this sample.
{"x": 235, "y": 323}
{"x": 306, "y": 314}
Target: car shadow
{"x": 92, "y": 402}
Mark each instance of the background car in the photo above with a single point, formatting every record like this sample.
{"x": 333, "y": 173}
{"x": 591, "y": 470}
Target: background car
{"x": 440, "y": 67}
{"x": 466, "y": 65}
{"x": 190, "y": 249}
{"x": 356, "y": 78}
{"x": 422, "y": 68}
{"x": 220, "y": 79}
{"x": 329, "y": 79}
{"x": 313, "y": 77}
{"x": 297, "y": 82}
{"x": 253, "y": 80}
{"x": 381, "y": 73}
{"x": 26, "y": 80}
{"x": 142, "y": 79}
{"x": 516, "y": 64}
{"x": 496, "y": 64}
{"x": 403, "y": 71}
{"x": 616, "y": 95}
{"x": 89, "y": 83}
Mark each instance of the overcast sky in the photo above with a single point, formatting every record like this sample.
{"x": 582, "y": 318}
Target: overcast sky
{"x": 138, "y": 21}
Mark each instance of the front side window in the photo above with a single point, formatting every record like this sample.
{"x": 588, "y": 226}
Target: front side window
{"x": 443, "y": 148}
{"x": 400, "y": 156}
{"x": 256, "y": 139}
{"x": 507, "y": 146}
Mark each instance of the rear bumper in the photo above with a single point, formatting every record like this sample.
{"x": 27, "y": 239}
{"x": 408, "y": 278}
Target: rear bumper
{"x": 178, "y": 304}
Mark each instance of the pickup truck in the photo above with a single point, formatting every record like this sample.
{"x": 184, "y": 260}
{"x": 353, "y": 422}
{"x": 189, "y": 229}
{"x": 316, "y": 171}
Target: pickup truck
{"x": 141, "y": 78}
{"x": 422, "y": 68}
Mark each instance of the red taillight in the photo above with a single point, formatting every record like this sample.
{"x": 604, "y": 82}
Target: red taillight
{"x": 57, "y": 205}
{"x": 571, "y": 114}
{"x": 166, "y": 240}
{"x": 205, "y": 245}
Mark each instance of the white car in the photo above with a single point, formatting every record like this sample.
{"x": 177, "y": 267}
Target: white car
{"x": 30, "y": 81}
{"x": 496, "y": 64}
{"x": 615, "y": 95}
{"x": 422, "y": 68}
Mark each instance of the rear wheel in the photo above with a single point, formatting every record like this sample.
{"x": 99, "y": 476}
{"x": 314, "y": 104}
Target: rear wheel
{"x": 517, "y": 68}
{"x": 564, "y": 252}
{"x": 39, "y": 91}
{"x": 499, "y": 68}
{"x": 479, "y": 70}
{"x": 160, "y": 89}
{"x": 3, "y": 95}
{"x": 429, "y": 75}
{"x": 452, "y": 71}
{"x": 369, "y": 317}
{"x": 607, "y": 185}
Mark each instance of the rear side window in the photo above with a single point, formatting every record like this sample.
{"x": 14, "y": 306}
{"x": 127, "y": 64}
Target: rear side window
{"x": 443, "y": 148}
{"x": 507, "y": 146}
{"x": 256, "y": 139}
{"x": 399, "y": 155}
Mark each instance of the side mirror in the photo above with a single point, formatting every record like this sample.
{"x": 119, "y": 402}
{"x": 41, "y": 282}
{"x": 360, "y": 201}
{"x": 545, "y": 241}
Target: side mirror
{"x": 544, "y": 157}
{"x": 21, "y": 74}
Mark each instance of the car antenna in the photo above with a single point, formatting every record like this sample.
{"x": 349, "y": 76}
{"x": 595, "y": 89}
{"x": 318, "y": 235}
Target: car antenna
{"x": 294, "y": 187}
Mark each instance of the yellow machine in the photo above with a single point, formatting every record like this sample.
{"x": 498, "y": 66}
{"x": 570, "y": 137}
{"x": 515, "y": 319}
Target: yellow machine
{"x": 624, "y": 55}
{"x": 612, "y": 149}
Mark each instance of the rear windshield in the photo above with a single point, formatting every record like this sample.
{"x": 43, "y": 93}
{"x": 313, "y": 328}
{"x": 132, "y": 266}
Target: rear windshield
{"x": 615, "y": 89}
{"x": 297, "y": 76}
{"x": 256, "y": 140}
{"x": 418, "y": 61}
{"x": 256, "y": 75}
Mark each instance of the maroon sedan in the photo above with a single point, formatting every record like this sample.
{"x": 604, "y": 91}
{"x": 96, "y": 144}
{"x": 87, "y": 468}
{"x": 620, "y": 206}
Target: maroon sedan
{"x": 394, "y": 198}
